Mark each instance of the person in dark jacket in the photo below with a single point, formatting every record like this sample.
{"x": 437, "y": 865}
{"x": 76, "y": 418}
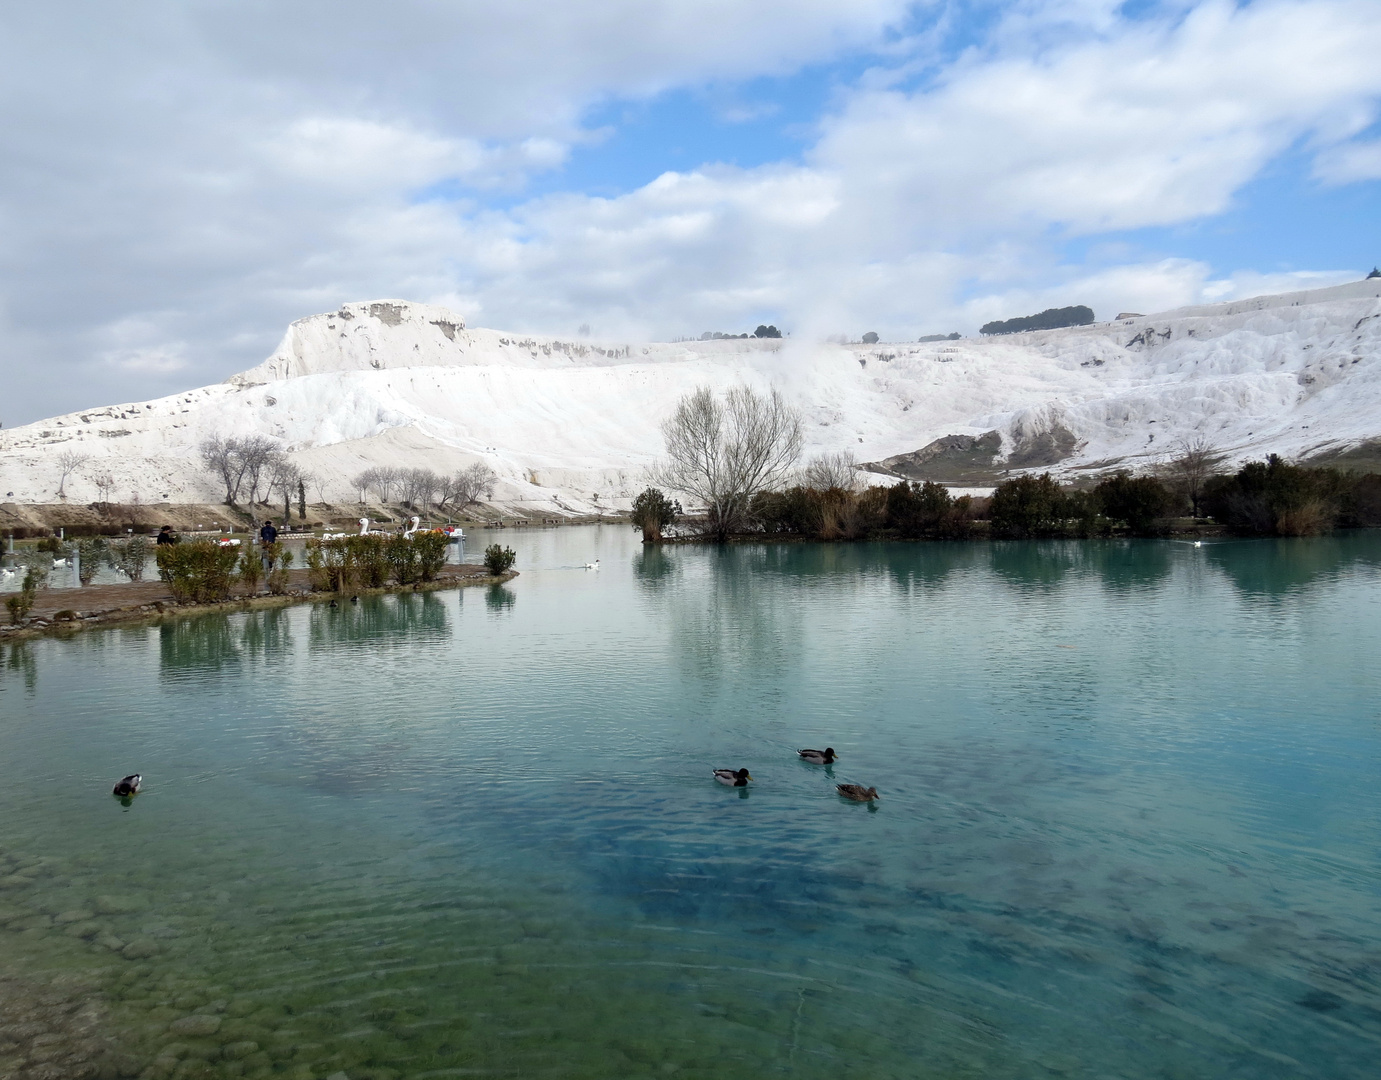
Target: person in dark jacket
{"x": 165, "y": 535}
{"x": 267, "y": 535}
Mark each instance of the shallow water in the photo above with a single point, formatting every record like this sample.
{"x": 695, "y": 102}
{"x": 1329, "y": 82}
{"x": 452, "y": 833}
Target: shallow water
{"x": 1128, "y": 825}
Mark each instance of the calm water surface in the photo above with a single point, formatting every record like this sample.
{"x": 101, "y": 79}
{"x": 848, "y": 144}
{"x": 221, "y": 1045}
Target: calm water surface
{"x": 1129, "y": 824}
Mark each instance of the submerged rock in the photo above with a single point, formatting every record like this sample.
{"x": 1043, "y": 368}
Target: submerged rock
{"x": 196, "y": 1025}
{"x": 140, "y": 949}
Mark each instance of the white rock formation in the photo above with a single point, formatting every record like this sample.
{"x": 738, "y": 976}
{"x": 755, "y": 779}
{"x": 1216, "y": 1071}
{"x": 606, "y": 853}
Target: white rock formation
{"x": 570, "y": 426}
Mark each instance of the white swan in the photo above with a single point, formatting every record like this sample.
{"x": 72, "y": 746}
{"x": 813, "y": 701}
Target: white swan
{"x": 364, "y": 526}
{"x": 412, "y": 528}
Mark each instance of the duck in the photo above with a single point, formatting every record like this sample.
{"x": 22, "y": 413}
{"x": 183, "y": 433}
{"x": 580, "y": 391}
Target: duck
{"x": 827, "y": 756}
{"x": 857, "y": 792}
{"x": 733, "y": 778}
{"x": 128, "y": 786}
{"x": 592, "y": 565}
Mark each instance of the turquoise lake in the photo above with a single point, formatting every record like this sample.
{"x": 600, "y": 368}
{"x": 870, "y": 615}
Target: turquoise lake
{"x": 1130, "y": 822}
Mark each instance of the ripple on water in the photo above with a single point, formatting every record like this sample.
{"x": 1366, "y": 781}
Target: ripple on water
{"x": 1126, "y": 825}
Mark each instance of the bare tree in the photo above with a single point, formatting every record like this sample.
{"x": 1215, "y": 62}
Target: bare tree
{"x": 363, "y": 482}
{"x": 419, "y": 487}
{"x": 285, "y": 477}
{"x": 384, "y": 483}
{"x": 721, "y": 453}
{"x": 468, "y": 486}
{"x": 218, "y": 455}
{"x": 260, "y": 456}
{"x": 236, "y": 462}
{"x": 1196, "y": 459}
{"x": 831, "y": 471}
{"x": 318, "y": 482}
{"x": 105, "y": 483}
{"x": 69, "y": 461}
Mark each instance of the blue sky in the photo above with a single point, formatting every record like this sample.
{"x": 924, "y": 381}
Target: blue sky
{"x": 182, "y": 178}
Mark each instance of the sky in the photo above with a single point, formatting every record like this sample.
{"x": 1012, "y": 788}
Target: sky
{"x": 180, "y": 179}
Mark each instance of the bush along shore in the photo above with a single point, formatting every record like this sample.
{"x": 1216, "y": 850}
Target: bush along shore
{"x": 1263, "y": 498}
{"x": 200, "y": 575}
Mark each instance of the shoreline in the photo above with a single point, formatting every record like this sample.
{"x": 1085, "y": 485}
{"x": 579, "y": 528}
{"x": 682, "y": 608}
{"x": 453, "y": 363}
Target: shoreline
{"x": 167, "y": 609}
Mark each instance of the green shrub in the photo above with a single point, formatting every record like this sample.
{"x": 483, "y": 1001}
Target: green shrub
{"x": 653, "y": 512}
{"x": 251, "y": 567}
{"x": 499, "y": 560}
{"x": 1036, "y": 506}
{"x": 1140, "y": 502}
{"x": 1275, "y": 498}
{"x": 928, "y": 510}
{"x": 401, "y": 555}
{"x": 200, "y": 571}
{"x": 346, "y": 563}
{"x": 129, "y": 556}
{"x": 91, "y": 553}
{"x": 21, "y": 603}
{"x": 431, "y": 553}
{"x": 280, "y": 562}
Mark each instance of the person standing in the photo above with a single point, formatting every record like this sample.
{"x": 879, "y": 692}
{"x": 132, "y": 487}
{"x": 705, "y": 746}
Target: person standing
{"x": 165, "y": 535}
{"x": 268, "y": 536}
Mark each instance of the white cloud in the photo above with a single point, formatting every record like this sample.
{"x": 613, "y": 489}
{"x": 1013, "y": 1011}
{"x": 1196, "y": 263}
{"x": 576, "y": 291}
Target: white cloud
{"x": 208, "y": 171}
{"x": 1349, "y": 162}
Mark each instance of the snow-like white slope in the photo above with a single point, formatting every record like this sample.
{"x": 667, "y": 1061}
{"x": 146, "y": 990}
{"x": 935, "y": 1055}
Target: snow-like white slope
{"x": 571, "y": 425}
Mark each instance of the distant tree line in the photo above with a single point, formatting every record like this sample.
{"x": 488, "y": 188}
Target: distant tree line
{"x": 253, "y": 470}
{"x": 1049, "y": 319}
{"x": 736, "y": 454}
{"x": 762, "y": 331}
{"x": 421, "y": 489}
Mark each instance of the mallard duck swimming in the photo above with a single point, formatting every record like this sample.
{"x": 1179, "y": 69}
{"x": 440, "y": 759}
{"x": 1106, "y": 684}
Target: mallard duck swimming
{"x": 730, "y": 778}
{"x": 826, "y": 756}
{"x": 857, "y": 792}
{"x": 128, "y": 786}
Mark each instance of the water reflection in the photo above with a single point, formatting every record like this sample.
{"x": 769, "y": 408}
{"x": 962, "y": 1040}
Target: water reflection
{"x": 653, "y": 568}
{"x": 1034, "y": 564}
{"x": 379, "y": 620}
{"x": 499, "y": 599}
{"x": 1131, "y": 566}
{"x": 267, "y": 633}
{"x": 197, "y": 646}
{"x": 1274, "y": 568}
{"x": 927, "y": 565}
{"x": 722, "y": 625}
{"x": 20, "y": 660}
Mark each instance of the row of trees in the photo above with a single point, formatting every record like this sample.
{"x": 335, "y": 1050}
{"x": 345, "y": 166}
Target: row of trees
{"x": 253, "y": 468}
{"x": 423, "y": 488}
{"x": 736, "y": 455}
